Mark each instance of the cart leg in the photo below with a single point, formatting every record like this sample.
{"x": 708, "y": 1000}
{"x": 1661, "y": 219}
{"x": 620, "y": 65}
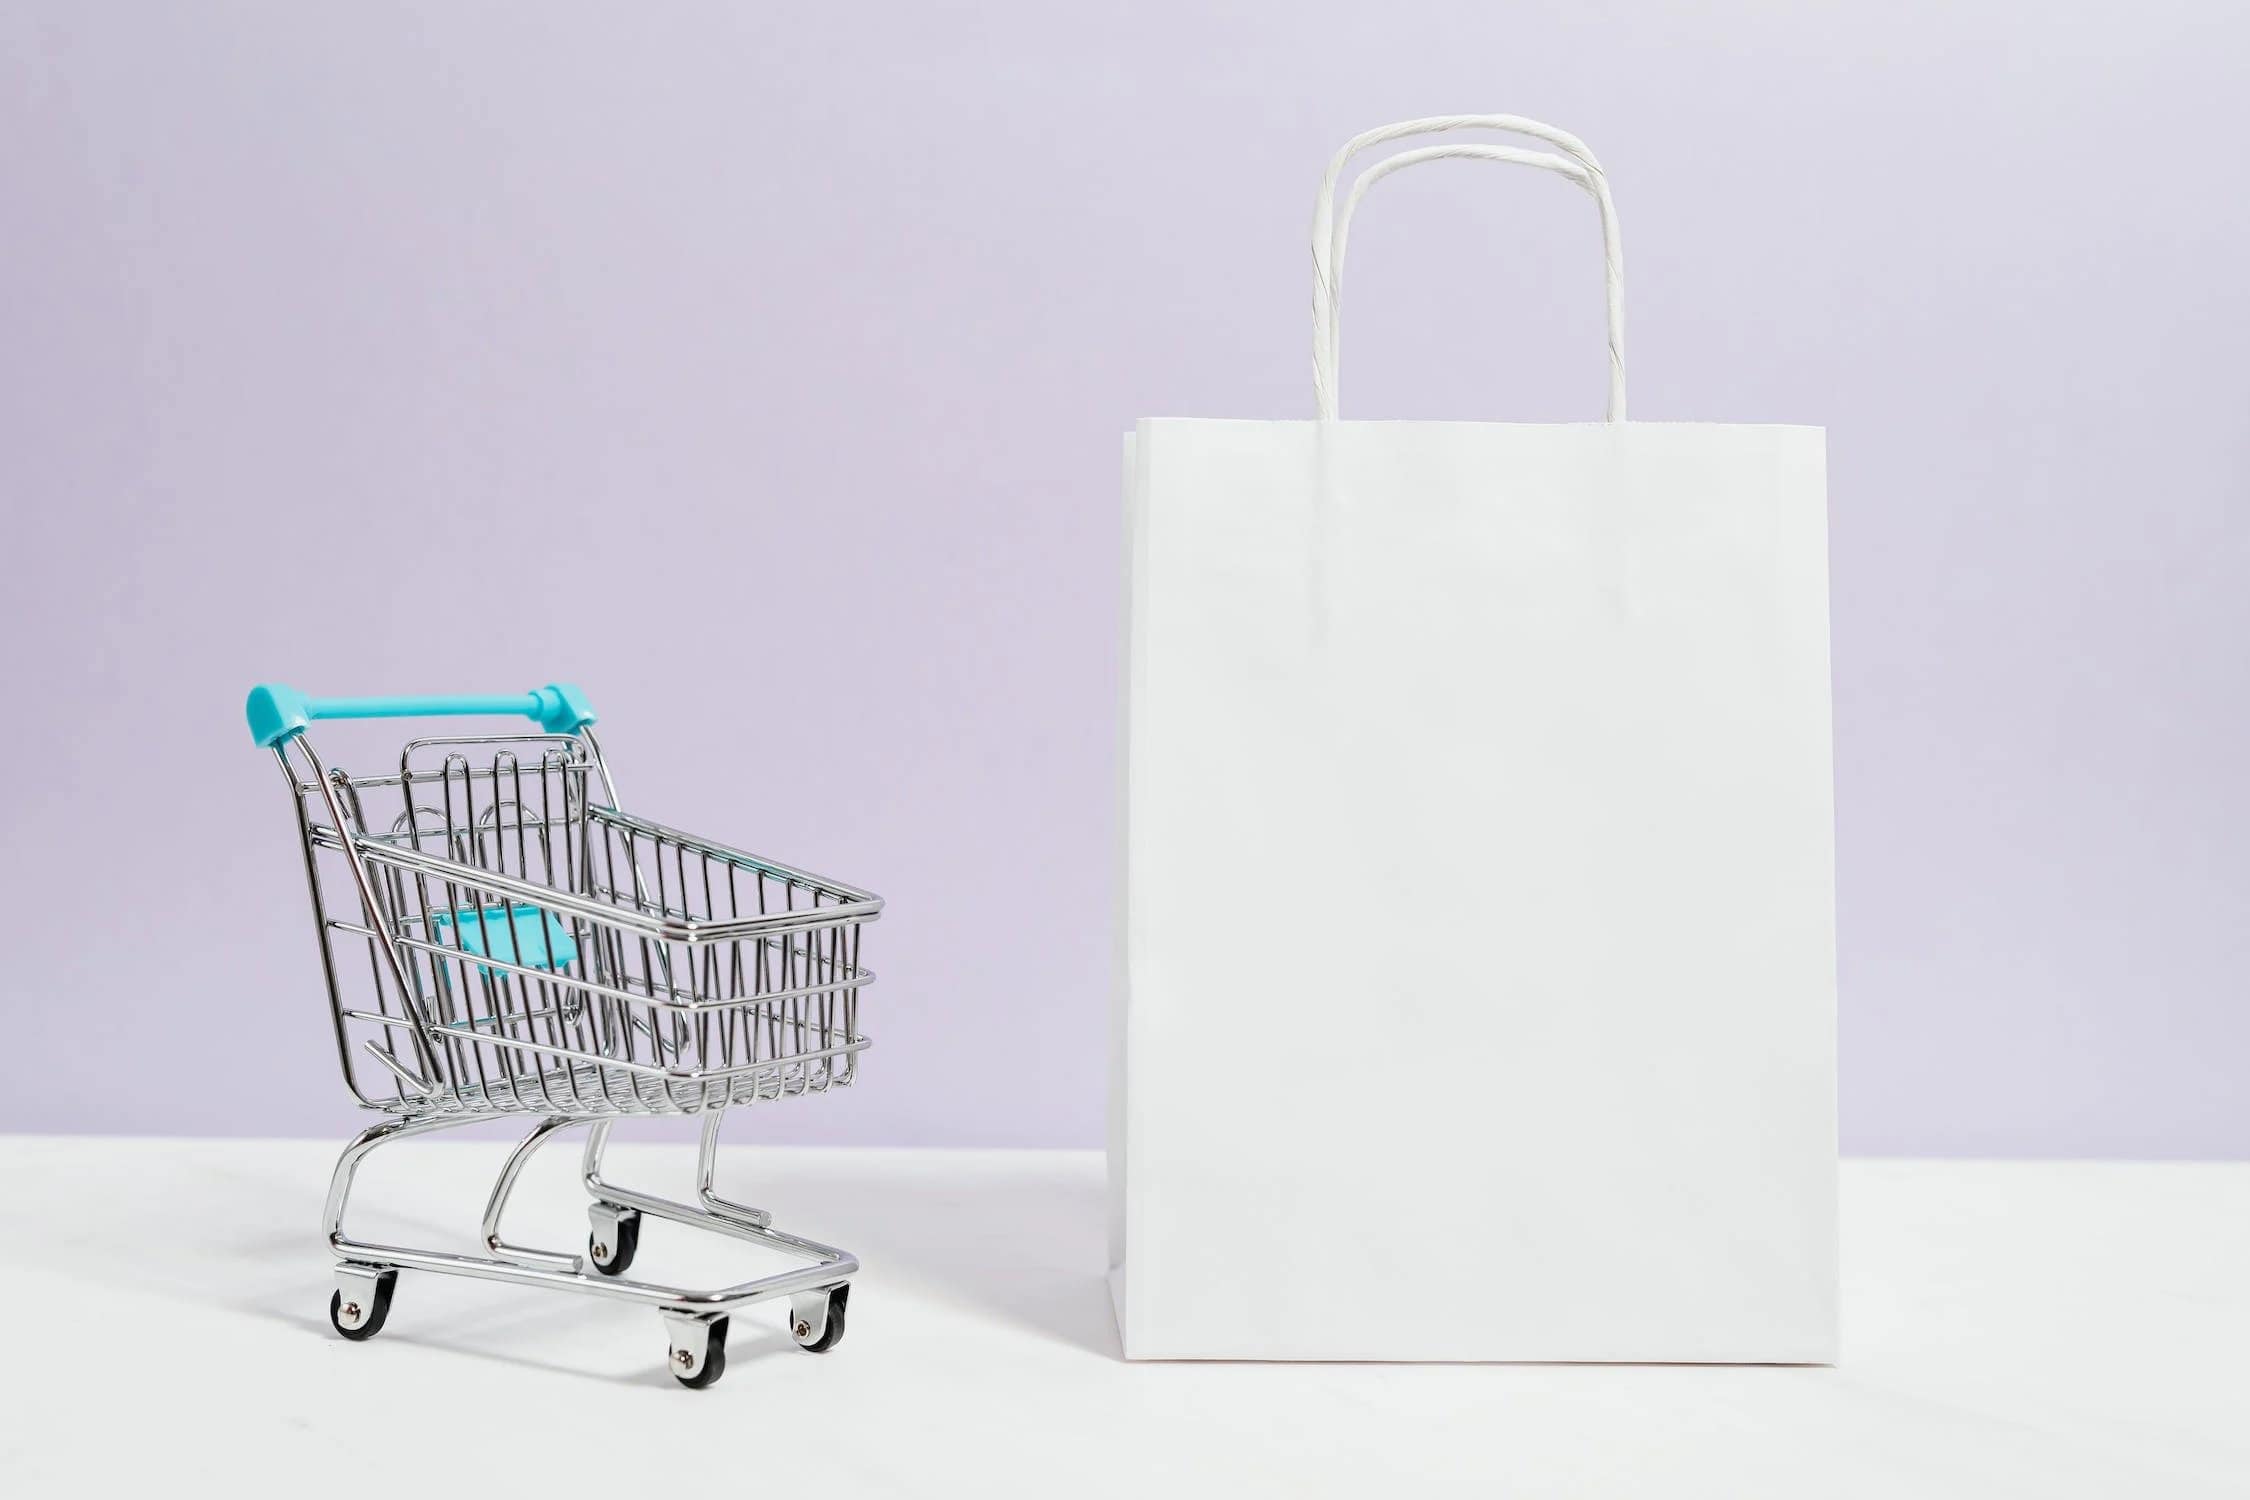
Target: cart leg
{"x": 505, "y": 1186}
{"x": 362, "y": 1299}
{"x": 706, "y": 1176}
{"x": 597, "y": 1141}
{"x": 347, "y": 1167}
{"x": 830, "y": 1268}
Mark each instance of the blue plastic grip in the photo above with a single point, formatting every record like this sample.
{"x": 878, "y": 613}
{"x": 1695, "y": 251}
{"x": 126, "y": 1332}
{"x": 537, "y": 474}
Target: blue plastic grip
{"x": 276, "y": 712}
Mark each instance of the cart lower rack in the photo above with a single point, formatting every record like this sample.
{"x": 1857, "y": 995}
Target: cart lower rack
{"x": 499, "y": 938}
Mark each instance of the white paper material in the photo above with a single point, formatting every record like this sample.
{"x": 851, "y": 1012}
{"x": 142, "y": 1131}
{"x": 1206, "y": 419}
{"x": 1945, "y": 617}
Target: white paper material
{"x": 1477, "y": 993}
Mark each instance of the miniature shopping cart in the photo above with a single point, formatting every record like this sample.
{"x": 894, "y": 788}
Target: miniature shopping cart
{"x": 499, "y": 938}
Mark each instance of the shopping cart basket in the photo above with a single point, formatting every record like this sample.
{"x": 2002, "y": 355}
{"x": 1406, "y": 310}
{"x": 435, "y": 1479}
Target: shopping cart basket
{"x": 499, "y": 938}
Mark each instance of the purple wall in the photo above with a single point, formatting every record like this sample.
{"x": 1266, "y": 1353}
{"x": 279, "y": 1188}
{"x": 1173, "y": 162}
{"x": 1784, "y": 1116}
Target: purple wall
{"x": 762, "y": 368}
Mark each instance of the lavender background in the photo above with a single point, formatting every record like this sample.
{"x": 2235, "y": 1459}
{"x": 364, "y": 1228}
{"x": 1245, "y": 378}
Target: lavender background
{"x": 762, "y": 369}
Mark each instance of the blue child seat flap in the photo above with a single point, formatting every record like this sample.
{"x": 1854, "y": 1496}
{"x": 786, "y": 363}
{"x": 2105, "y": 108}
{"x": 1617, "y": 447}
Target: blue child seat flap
{"x": 523, "y": 935}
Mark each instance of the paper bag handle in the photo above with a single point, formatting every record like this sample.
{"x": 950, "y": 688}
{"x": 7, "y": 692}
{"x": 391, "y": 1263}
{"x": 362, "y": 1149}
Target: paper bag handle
{"x": 1332, "y": 231}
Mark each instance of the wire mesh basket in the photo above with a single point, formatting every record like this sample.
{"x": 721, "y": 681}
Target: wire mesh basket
{"x": 530, "y": 949}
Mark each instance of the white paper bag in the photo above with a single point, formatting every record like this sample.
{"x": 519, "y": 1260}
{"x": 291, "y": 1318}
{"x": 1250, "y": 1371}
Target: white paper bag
{"x": 1477, "y": 996}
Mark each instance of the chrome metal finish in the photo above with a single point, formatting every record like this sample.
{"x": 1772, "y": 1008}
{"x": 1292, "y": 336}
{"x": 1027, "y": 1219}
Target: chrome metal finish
{"x": 608, "y": 1230}
{"x": 529, "y": 950}
{"x": 706, "y": 1176}
{"x": 691, "y": 1341}
{"x": 498, "y": 1203}
{"x": 355, "y": 1292}
{"x": 829, "y": 1265}
{"x": 808, "y": 1315}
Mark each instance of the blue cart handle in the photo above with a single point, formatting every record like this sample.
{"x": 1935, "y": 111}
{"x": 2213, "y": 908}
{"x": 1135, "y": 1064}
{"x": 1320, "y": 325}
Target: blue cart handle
{"x": 277, "y": 712}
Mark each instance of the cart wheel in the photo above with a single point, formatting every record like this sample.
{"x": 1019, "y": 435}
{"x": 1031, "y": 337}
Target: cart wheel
{"x": 611, "y": 1249}
{"x": 830, "y": 1336}
{"x": 695, "y": 1373}
{"x": 357, "y": 1321}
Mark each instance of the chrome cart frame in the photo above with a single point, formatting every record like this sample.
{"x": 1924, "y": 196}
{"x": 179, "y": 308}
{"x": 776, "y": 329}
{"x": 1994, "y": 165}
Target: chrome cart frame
{"x": 531, "y": 950}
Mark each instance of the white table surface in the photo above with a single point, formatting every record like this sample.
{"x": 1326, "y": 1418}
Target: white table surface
{"x": 2009, "y": 1329}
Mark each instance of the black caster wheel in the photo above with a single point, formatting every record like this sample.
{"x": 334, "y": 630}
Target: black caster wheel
{"x": 356, "y": 1319}
{"x": 611, "y": 1251}
{"x": 695, "y": 1374}
{"x": 830, "y": 1336}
